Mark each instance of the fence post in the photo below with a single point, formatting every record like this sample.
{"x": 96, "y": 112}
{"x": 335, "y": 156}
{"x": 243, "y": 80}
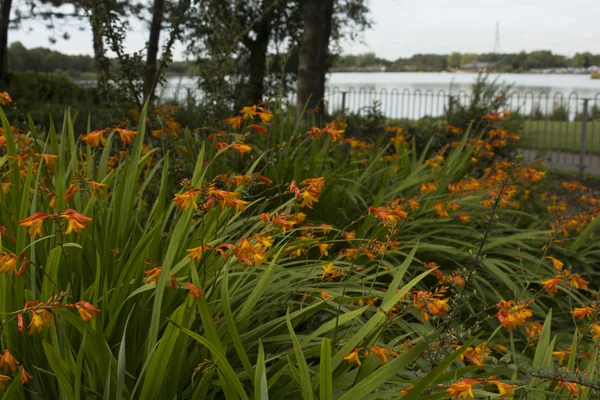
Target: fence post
{"x": 584, "y": 119}
{"x": 189, "y": 98}
{"x": 344, "y": 104}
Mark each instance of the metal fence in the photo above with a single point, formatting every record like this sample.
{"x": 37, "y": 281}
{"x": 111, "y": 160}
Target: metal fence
{"x": 558, "y": 127}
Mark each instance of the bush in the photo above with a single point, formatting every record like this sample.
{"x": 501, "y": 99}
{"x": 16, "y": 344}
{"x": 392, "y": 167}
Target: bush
{"x": 159, "y": 262}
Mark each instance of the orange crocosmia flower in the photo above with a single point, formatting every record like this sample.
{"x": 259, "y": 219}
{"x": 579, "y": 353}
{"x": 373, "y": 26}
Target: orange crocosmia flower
{"x": 50, "y": 160}
{"x": 595, "y": 331}
{"x": 464, "y": 218}
{"x": 77, "y": 222}
{"x": 265, "y": 115}
{"x": 86, "y": 311}
{"x": 308, "y": 199}
{"x": 462, "y": 389}
{"x": 241, "y": 148}
{"x": 35, "y": 223}
{"x": 194, "y": 291}
{"x": 94, "y": 138}
{"x": 259, "y": 129}
{"x": 428, "y": 187}
{"x": 533, "y": 329}
{"x": 295, "y": 189}
{"x": 234, "y": 122}
{"x": 557, "y": 264}
{"x": 153, "y": 275}
{"x": 248, "y": 112}
{"x": 582, "y": 312}
{"x": 197, "y": 252}
{"x": 328, "y": 269}
{"x": 25, "y": 377}
{"x": 71, "y": 191}
{"x": 562, "y": 354}
{"x": 578, "y": 282}
{"x": 325, "y": 295}
{"x": 550, "y": 285}
{"x": 127, "y": 136}
{"x": 5, "y": 99}
{"x": 505, "y": 389}
{"x": 4, "y": 378}
{"x": 241, "y": 180}
{"x": 476, "y": 355}
{"x": 382, "y": 353}
{"x": 353, "y": 357}
{"x": 186, "y": 199}
{"x": 98, "y": 189}
{"x": 37, "y": 323}
{"x": 571, "y": 387}
{"x": 512, "y": 315}
{"x": 8, "y": 362}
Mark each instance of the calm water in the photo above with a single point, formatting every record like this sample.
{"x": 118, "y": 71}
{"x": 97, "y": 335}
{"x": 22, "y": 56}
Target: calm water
{"x": 414, "y": 95}
{"x": 435, "y": 81}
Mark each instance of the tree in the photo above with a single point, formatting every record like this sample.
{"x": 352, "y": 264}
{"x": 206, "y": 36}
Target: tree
{"x": 454, "y": 60}
{"x": 158, "y": 12}
{"x": 5, "y": 7}
{"x": 312, "y": 62}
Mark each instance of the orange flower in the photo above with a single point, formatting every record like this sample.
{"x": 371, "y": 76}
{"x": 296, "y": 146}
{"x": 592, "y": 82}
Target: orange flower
{"x": 50, "y": 160}
{"x": 571, "y": 387}
{"x": 8, "y": 263}
{"x": 194, "y": 291}
{"x": 94, "y": 138}
{"x": 562, "y": 354}
{"x": 234, "y": 122}
{"x": 71, "y": 191}
{"x": 582, "y": 312}
{"x": 3, "y": 378}
{"x": 86, "y": 311}
{"x": 595, "y": 331}
{"x": 353, "y": 357}
{"x": 382, "y": 353}
{"x": 505, "y": 389}
{"x": 197, "y": 252}
{"x": 39, "y": 320}
{"x": 248, "y": 112}
{"x": 512, "y": 315}
{"x": 578, "y": 282}
{"x": 77, "y": 222}
{"x": 98, "y": 188}
{"x": 295, "y": 189}
{"x": 428, "y": 187}
{"x": 265, "y": 115}
{"x": 463, "y": 388}
{"x": 241, "y": 148}
{"x": 127, "y": 136}
{"x": 5, "y": 99}
{"x": 153, "y": 275}
{"x": 550, "y": 285}
{"x": 557, "y": 264}
{"x": 477, "y": 354}
{"x": 260, "y": 129}
{"x": 186, "y": 199}
{"x": 325, "y": 295}
{"x": 25, "y": 377}
{"x": 8, "y": 362}
{"x": 533, "y": 329}
{"x": 464, "y": 218}
{"x": 34, "y": 223}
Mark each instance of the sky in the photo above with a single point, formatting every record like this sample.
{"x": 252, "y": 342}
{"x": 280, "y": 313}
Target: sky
{"x": 402, "y": 28}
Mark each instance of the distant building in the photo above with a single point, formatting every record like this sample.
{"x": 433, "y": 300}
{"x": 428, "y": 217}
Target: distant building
{"x": 476, "y": 66}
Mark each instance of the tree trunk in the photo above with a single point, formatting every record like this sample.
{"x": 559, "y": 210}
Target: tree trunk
{"x": 158, "y": 10}
{"x": 312, "y": 62}
{"x": 5, "y": 6}
{"x": 258, "y": 62}
{"x": 101, "y": 63}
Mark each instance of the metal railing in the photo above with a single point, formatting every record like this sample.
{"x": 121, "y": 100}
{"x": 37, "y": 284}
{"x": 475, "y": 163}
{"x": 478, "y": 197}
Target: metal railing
{"x": 558, "y": 127}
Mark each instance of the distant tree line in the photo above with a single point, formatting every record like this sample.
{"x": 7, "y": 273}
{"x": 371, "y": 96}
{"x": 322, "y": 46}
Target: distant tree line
{"x": 506, "y": 62}
{"x": 41, "y": 59}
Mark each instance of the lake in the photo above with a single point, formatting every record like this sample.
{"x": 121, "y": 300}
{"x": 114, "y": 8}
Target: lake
{"x": 414, "y": 95}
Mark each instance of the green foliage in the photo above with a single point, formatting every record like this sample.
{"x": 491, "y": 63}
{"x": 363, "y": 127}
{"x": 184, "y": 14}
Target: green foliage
{"x": 272, "y": 321}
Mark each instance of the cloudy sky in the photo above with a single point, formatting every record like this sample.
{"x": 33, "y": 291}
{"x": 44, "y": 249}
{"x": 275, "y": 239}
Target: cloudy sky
{"x": 405, "y": 27}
